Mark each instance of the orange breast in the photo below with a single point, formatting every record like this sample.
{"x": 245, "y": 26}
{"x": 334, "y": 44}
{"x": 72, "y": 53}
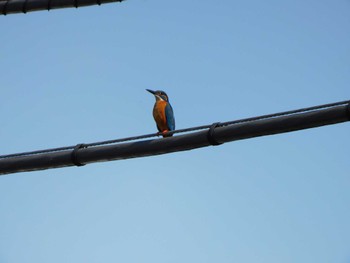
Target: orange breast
{"x": 159, "y": 115}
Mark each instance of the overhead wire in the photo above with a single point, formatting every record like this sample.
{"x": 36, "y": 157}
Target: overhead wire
{"x": 192, "y": 129}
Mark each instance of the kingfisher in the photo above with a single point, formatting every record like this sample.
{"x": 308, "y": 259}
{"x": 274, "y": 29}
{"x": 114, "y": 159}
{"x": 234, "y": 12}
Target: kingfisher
{"x": 163, "y": 113}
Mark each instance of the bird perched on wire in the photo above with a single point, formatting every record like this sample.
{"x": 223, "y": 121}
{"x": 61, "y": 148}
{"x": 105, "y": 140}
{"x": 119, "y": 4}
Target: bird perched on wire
{"x": 163, "y": 113}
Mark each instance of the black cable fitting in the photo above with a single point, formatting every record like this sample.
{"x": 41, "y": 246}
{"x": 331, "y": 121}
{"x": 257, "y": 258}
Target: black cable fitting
{"x": 24, "y": 7}
{"x": 74, "y": 155}
{"x": 48, "y": 5}
{"x": 348, "y": 110}
{"x": 76, "y": 3}
{"x": 4, "y": 10}
{"x": 211, "y": 134}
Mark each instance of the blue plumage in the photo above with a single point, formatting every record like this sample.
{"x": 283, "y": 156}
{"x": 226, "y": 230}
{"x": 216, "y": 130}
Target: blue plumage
{"x": 170, "y": 117}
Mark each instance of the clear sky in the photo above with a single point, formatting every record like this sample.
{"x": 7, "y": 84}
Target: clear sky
{"x": 79, "y": 75}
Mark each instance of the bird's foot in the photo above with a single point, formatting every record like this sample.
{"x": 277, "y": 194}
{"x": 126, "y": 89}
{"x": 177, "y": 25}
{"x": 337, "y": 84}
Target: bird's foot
{"x": 163, "y": 133}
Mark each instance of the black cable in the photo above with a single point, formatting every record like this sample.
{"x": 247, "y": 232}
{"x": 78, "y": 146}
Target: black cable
{"x": 37, "y": 152}
{"x": 24, "y": 6}
{"x": 263, "y": 117}
{"x": 4, "y": 10}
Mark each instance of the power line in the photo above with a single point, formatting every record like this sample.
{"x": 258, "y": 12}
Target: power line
{"x": 24, "y": 6}
{"x": 145, "y": 136}
{"x": 214, "y": 134}
{"x": 285, "y": 113}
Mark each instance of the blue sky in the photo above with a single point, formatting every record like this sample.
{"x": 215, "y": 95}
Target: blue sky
{"x": 79, "y": 75}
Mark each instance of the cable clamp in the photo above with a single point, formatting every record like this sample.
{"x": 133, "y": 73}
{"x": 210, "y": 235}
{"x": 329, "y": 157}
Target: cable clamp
{"x": 4, "y": 10}
{"x": 211, "y": 134}
{"x": 74, "y": 156}
{"x": 24, "y": 7}
{"x": 48, "y": 5}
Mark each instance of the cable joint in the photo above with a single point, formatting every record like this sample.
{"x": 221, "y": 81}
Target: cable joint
{"x": 211, "y": 134}
{"x": 74, "y": 155}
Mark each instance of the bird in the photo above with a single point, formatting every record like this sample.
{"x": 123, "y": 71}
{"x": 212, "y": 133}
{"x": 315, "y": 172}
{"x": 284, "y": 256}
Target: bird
{"x": 163, "y": 113}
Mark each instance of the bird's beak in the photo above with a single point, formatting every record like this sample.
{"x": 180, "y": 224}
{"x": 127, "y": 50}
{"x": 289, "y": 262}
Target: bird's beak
{"x": 151, "y": 91}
